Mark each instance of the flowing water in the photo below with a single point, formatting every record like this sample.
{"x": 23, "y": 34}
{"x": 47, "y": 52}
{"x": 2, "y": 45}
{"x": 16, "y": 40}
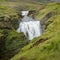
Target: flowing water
{"x": 30, "y": 27}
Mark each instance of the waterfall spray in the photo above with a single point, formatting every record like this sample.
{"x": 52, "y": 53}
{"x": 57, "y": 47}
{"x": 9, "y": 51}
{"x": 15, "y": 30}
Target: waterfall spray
{"x": 30, "y": 27}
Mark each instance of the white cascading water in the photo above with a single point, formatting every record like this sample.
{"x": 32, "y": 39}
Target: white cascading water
{"x": 30, "y": 27}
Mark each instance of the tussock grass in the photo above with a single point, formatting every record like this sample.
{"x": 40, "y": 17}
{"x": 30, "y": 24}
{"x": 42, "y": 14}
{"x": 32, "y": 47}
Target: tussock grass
{"x": 49, "y": 49}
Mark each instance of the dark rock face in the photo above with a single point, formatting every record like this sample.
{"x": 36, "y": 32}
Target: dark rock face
{"x": 47, "y": 16}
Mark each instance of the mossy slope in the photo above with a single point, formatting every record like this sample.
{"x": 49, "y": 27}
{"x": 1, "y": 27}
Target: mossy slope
{"x": 47, "y": 46}
{"x": 10, "y": 40}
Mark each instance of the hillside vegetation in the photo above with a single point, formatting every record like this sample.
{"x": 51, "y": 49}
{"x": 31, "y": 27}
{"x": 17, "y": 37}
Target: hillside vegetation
{"x": 47, "y": 46}
{"x": 11, "y": 42}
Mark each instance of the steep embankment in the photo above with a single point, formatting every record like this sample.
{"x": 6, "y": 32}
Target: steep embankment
{"x": 10, "y": 41}
{"x": 8, "y": 35}
{"x": 47, "y": 46}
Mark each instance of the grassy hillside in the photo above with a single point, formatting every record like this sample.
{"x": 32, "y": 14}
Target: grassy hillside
{"x": 47, "y": 46}
{"x": 2, "y": 0}
{"x": 44, "y": 47}
{"x": 11, "y": 42}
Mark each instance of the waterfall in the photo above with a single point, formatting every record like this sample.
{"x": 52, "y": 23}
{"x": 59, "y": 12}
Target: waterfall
{"x": 30, "y": 27}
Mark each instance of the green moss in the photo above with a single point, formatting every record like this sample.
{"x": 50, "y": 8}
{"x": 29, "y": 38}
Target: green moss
{"x": 49, "y": 49}
{"x": 49, "y": 8}
{"x": 4, "y": 10}
{"x": 12, "y": 43}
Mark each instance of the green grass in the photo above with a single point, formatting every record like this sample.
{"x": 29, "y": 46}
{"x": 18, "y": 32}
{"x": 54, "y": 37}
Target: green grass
{"x": 11, "y": 8}
{"x": 2, "y": 0}
{"x": 49, "y": 8}
{"x": 4, "y": 10}
{"x": 49, "y": 49}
